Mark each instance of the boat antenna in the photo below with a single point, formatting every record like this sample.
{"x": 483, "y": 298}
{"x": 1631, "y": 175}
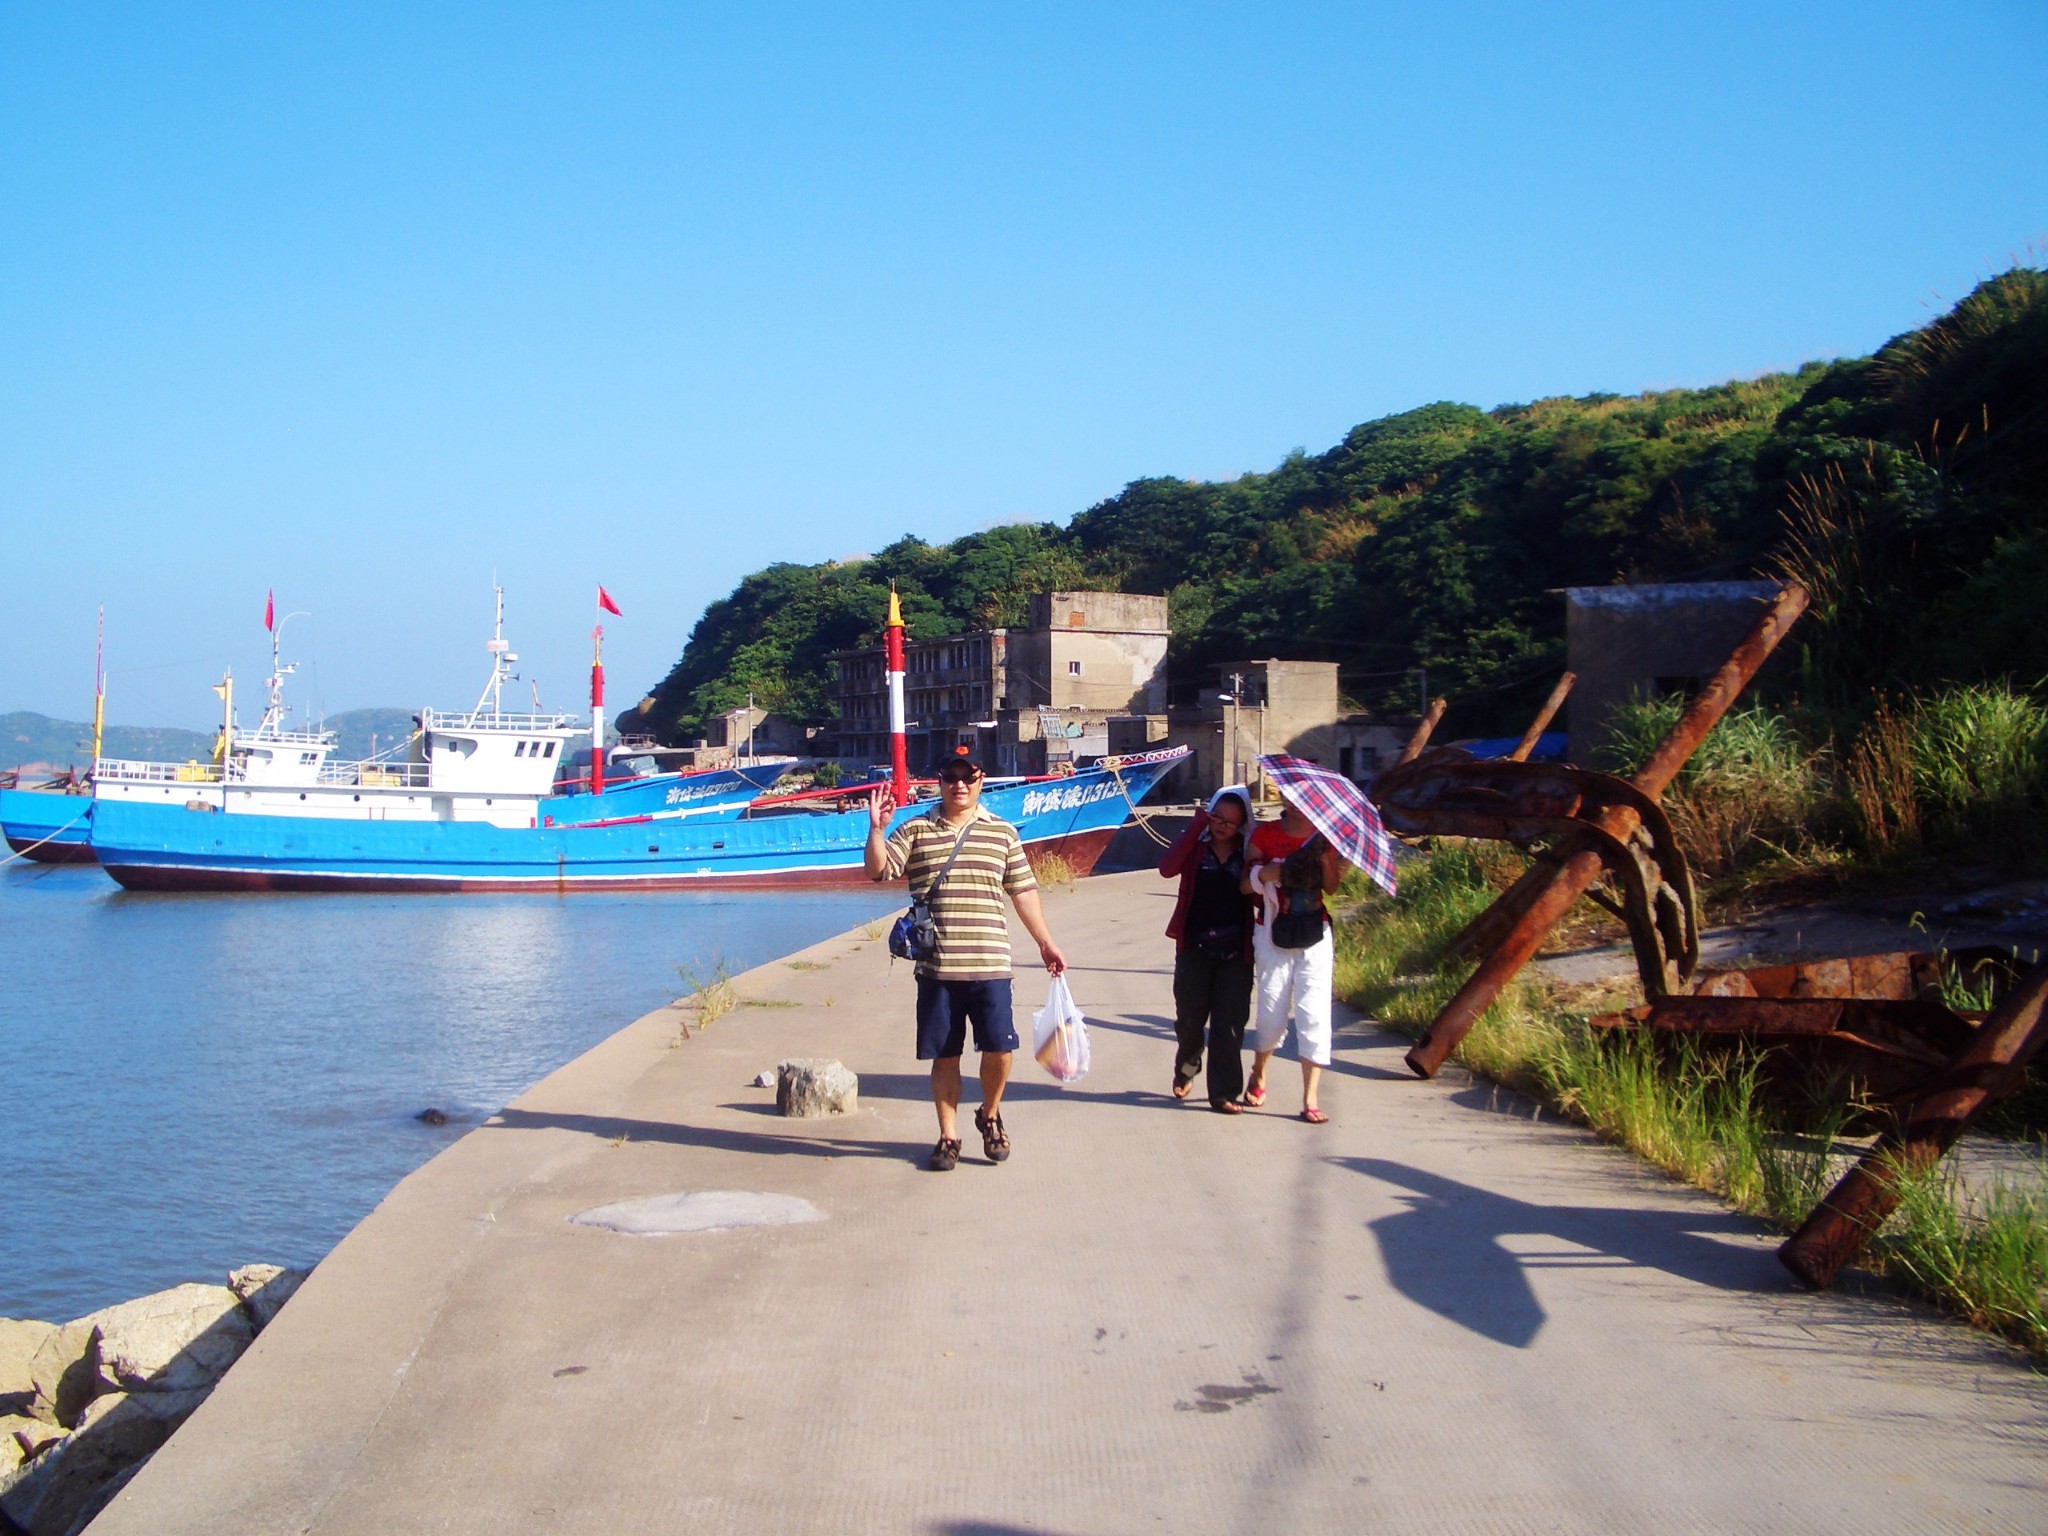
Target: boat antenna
{"x": 274, "y": 706}
{"x": 501, "y": 662}
{"x": 99, "y": 687}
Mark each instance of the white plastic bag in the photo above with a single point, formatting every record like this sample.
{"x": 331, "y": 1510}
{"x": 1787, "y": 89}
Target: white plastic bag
{"x": 1059, "y": 1035}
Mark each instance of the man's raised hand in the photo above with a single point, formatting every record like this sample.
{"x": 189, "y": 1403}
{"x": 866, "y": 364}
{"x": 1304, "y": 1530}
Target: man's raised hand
{"x": 881, "y": 806}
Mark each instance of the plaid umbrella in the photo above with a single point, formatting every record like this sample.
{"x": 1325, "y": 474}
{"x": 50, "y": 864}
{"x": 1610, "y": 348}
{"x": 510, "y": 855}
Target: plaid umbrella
{"x": 1339, "y": 810}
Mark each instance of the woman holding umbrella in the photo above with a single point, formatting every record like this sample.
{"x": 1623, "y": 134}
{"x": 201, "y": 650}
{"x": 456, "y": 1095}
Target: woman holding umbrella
{"x": 1291, "y": 865}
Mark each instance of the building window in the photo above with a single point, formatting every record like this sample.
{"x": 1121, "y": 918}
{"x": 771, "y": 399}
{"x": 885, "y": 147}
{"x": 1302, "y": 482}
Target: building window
{"x": 1073, "y": 669}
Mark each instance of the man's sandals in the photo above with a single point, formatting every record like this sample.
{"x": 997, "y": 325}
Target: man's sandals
{"x": 995, "y": 1141}
{"x": 945, "y": 1156}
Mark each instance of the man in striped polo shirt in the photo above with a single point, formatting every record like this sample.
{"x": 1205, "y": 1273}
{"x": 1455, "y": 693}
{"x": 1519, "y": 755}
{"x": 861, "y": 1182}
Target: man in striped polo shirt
{"x": 967, "y": 981}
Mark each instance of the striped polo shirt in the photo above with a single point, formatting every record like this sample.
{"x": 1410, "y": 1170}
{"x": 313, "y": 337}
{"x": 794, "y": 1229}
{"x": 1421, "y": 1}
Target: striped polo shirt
{"x": 974, "y": 935}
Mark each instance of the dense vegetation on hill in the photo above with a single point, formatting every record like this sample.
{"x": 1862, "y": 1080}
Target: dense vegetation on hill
{"x": 29, "y": 739}
{"x": 1909, "y": 489}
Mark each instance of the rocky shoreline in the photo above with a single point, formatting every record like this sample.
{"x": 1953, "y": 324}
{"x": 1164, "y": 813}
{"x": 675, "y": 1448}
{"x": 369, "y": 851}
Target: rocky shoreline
{"x": 84, "y": 1404}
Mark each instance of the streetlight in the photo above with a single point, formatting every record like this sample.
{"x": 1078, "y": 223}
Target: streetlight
{"x": 1235, "y": 700}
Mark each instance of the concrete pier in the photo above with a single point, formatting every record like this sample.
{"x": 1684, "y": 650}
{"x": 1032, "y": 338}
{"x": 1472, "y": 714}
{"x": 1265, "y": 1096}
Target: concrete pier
{"x": 1441, "y": 1312}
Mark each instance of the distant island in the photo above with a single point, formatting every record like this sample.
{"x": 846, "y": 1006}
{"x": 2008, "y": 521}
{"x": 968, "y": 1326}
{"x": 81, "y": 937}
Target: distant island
{"x": 39, "y": 744}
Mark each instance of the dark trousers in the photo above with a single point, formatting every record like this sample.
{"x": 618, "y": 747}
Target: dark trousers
{"x": 1212, "y": 994}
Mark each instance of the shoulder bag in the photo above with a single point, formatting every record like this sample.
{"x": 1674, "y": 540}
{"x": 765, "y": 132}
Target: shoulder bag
{"x": 915, "y": 936}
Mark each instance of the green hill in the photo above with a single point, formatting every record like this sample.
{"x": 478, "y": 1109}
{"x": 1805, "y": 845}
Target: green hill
{"x": 32, "y": 740}
{"x": 1908, "y": 488}
{"x": 37, "y": 741}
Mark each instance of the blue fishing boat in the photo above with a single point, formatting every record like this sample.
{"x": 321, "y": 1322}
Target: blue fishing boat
{"x": 49, "y": 823}
{"x": 197, "y": 846}
{"x": 478, "y": 804}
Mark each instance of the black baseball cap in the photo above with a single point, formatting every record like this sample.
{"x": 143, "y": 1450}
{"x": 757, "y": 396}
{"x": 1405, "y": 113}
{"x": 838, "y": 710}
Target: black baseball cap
{"x": 962, "y": 758}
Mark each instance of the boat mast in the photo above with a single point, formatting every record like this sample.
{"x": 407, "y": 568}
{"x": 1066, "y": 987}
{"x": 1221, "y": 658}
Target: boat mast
{"x": 597, "y": 711}
{"x": 99, "y": 687}
{"x": 899, "y": 746}
{"x": 273, "y": 706}
{"x": 501, "y": 662}
{"x": 225, "y": 688}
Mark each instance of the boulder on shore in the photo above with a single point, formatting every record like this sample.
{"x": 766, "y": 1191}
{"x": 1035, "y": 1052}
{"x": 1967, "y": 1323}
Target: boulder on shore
{"x": 815, "y": 1085}
{"x": 263, "y": 1288}
{"x": 177, "y": 1340}
{"x": 117, "y": 1433}
{"x": 22, "y": 1438}
{"x": 20, "y": 1338}
{"x": 65, "y": 1372}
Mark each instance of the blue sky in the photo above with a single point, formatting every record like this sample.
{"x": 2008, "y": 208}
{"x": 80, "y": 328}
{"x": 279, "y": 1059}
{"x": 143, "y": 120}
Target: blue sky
{"x": 370, "y": 303}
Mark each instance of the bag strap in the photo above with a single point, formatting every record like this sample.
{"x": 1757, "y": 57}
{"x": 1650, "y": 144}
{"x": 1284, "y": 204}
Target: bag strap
{"x": 947, "y": 868}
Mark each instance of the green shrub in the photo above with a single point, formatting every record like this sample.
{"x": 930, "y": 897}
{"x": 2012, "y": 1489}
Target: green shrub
{"x": 1978, "y": 760}
{"x": 1751, "y": 784}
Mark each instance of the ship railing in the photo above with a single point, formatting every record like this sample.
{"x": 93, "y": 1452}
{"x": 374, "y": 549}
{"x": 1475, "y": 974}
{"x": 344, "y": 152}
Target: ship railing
{"x": 121, "y": 771}
{"x": 285, "y": 739}
{"x": 484, "y": 720}
{"x": 376, "y": 775}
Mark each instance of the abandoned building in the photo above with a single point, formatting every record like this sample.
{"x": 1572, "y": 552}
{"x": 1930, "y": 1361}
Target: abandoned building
{"x": 1028, "y": 699}
{"x": 1251, "y": 708}
{"x": 1645, "y": 642}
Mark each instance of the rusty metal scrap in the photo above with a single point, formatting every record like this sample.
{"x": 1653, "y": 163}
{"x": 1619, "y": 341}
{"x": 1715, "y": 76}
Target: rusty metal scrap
{"x": 1447, "y": 792}
{"x": 1885, "y": 1050}
{"x": 1543, "y": 718}
{"x": 1902, "y": 975}
{"x": 1534, "y": 907}
{"x": 1990, "y": 1065}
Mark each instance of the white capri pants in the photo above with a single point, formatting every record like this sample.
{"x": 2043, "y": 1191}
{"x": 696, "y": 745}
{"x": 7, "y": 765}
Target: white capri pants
{"x": 1293, "y": 983}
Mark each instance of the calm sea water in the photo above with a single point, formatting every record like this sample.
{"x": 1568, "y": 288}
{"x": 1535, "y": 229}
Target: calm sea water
{"x": 188, "y": 1083}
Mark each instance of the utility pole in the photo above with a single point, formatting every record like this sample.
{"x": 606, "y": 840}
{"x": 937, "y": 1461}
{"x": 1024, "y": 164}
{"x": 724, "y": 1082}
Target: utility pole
{"x": 750, "y": 725}
{"x": 1236, "y": 775}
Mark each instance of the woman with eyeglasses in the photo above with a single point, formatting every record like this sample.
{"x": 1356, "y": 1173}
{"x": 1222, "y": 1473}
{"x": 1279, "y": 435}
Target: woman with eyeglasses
{"x": 1212, "y": 963}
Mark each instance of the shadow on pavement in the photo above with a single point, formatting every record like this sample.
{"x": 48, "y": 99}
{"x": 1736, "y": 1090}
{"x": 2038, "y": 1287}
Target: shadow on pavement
{"x": 612, "y": 1128}
{"x": 1444, "y": 1252}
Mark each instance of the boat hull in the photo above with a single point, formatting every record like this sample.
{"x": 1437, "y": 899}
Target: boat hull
{"x": 173, "y": 848}
{"x": 47, "y": 826}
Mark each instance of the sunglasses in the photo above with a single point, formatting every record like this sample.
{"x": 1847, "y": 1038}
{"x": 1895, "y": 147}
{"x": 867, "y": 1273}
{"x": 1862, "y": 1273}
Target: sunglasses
{"x": 958, "y": 775}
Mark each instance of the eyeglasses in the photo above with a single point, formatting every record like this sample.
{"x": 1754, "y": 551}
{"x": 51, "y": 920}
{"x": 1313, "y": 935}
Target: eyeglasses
{"x": 1227, "y": 823}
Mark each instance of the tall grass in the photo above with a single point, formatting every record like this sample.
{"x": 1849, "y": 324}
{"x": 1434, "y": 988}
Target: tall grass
{"x": 1882, "y": 783}
{"x": 1694, "y": 1110}
{"x": 1978, "y": 758}
{"x": 1751, "y": 785}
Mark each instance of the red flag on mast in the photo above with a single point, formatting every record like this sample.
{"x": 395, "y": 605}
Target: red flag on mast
{"x": 270, "y": 609}
{"x": 604, "y": 601}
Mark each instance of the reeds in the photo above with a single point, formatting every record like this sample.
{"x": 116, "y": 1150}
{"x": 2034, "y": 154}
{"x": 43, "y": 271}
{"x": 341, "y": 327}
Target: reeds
{"x": 1750, "y": 789}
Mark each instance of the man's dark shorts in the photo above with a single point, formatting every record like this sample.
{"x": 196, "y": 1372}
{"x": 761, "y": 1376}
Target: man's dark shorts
{"x": 946, "y": 1008}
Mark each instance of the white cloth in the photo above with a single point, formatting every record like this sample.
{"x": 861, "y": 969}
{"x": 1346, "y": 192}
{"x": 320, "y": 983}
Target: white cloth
{"x": 1293, "y": 984}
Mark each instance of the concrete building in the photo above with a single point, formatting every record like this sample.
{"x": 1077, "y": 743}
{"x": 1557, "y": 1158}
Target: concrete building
{"x": 726, "y": 736}
{"x": 1026, "y": 698}
{"x": 1256, "y": 707}
{"x": 1648, "y": 641}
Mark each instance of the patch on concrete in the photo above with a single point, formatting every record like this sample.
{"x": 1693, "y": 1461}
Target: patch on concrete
{"x": 703, "y": 1210}
{"x": 1213, "y": 1397}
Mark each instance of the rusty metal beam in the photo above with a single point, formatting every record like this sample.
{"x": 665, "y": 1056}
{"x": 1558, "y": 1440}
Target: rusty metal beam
{"x": 1578, "y": 873}
{"x": 1544, "y": 716}
{"x": 1983, "y": 1072}
{"x": 1914, "y": 1030}
{"x": 1424, "y": 729}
